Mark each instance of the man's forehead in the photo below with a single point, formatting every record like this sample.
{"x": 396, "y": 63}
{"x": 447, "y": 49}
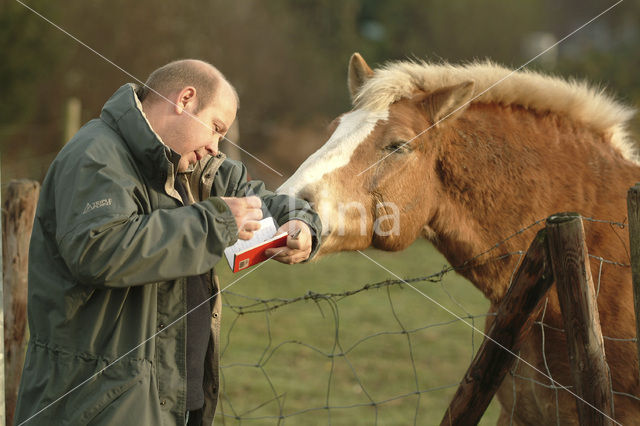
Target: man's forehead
{"x": 228, "y": 93}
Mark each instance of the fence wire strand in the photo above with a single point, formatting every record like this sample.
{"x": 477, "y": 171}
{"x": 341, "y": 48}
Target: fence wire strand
{"x": 327, "y": 305}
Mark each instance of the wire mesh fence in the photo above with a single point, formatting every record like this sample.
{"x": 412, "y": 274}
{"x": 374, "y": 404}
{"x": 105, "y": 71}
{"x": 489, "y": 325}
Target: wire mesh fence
{"x": 327, "y": 358}
{"x": 381, "y": 353}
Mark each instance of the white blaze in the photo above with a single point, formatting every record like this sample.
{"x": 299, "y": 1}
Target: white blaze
{"x": 354, "y": 127}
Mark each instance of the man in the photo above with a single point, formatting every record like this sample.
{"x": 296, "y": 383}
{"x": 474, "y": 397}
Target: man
{"x": 133, "y": 214}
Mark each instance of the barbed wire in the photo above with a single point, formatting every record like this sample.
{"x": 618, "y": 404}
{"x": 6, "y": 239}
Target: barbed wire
{"x": 243, "y": 305}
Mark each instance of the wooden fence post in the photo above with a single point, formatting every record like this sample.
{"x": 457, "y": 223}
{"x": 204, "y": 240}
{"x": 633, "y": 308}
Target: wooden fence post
{"x": 572, "y": 272}
{"x": 72, "y": 119}
{"x": 17, "y": 223}
{"x": 3, "y": 416}
{"x": 633, "y": 207}
{"x": 517, "y": 311}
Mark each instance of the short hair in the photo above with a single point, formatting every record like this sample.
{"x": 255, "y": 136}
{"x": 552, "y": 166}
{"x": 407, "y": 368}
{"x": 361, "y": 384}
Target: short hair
{"x": 179, "y": 74}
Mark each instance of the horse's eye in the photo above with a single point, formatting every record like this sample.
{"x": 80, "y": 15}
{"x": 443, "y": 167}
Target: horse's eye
{"x": 398, "y": 147}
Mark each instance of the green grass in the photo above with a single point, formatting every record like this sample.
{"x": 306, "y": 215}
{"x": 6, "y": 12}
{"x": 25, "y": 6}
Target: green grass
{"x": 280, "y": 363}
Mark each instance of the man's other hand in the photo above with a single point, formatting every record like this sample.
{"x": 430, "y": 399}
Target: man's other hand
{"x": 298, "y": 248}
{"x": 247, "y": 211}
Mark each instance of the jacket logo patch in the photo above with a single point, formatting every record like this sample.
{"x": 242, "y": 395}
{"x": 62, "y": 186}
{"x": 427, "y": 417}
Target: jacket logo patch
{"x": 96, "y": 205}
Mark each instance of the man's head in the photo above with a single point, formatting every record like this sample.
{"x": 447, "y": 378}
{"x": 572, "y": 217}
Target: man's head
{"x": 190, "y": 105}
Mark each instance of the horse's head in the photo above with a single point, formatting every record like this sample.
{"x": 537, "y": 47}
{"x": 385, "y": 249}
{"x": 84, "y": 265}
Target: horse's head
{"x": 373, "y": 182}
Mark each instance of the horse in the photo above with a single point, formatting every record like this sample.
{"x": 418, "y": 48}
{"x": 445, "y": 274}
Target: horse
{"x": 467, "y": 155}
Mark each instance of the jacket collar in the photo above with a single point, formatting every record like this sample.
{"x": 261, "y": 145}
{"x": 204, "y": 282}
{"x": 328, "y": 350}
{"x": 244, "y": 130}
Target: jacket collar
{"x": 123, "y": 113}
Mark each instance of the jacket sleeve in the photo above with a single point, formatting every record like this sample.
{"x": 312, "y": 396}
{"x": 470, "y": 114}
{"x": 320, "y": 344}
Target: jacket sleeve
{"x": 282, "y": 207}
{"x": 108, "y": 236}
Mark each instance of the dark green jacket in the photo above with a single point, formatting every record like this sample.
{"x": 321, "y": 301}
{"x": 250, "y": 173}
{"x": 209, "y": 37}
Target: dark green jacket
{"x": 112, "y": 244}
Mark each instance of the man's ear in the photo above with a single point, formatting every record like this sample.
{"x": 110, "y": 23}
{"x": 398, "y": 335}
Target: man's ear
{"x": 359, "y": 73}
{"x": 447, "y": 103}
{"x": 186, "y": 100}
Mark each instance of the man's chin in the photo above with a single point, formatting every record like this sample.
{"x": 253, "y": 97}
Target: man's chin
{"x": 185, "y": 166}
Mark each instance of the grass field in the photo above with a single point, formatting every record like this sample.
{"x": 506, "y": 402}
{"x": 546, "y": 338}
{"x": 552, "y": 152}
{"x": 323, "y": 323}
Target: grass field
{"x": 280, "y": 363}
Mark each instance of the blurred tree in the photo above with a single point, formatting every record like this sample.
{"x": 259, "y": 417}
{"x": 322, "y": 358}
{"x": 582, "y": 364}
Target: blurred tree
{"x": 458, "y": 30}
{"x": 607, "y": 52}
{"x": 29, "y": 53}
{"x": 287, "y": 58}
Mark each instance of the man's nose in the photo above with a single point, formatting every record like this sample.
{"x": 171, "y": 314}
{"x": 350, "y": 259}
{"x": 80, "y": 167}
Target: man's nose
{"x": 212, "y": 148}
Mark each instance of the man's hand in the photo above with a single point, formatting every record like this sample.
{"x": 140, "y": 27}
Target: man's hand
{"x": 247, "y": 212}
{"x": 298, "y": 248}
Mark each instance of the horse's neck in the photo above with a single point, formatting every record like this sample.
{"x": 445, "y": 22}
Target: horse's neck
{"x": 500, "y": 175}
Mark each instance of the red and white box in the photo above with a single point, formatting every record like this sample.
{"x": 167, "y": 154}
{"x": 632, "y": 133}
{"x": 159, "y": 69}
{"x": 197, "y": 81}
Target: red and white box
{"x": 245, "y": 253}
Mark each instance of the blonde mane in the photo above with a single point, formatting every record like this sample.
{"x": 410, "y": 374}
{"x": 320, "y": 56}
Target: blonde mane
{"x": 496, "y": 84}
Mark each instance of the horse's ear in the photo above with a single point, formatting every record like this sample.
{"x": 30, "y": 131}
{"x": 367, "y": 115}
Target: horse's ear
{"x": 359, "y": 72}
{"x": 448, "y": 102}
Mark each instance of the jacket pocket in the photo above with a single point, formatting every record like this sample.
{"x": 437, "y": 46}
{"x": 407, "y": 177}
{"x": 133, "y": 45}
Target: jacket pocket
{"x": 73, "y": 389}
{"x": 123, "y": 391}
